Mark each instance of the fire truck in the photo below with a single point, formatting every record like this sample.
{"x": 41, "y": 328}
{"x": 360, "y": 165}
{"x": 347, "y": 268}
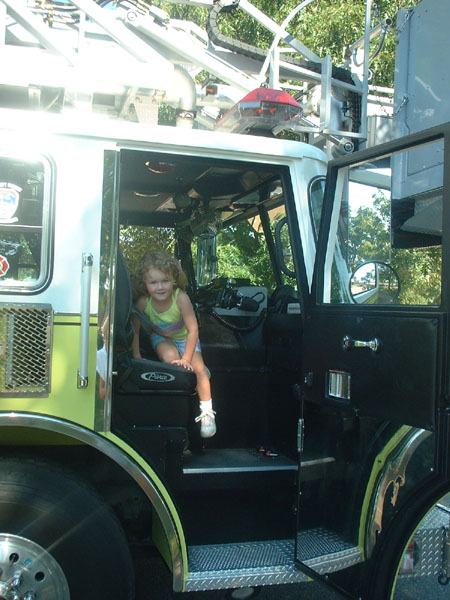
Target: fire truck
{"x": 307, "y": 210}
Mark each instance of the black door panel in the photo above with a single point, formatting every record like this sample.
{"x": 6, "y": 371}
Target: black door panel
{"x": 382, "y": 383}
{"x": 375, "y": 341}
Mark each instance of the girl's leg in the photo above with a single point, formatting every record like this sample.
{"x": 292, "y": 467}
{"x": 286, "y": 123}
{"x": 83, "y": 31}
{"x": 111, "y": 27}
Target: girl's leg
{"x": 203, "y": 385}
{"x": 167, "y": 351}
{"x": 206, "y": 417}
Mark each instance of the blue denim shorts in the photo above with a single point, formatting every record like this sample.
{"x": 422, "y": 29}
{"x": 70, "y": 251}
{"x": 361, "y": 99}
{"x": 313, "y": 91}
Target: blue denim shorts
{"x": 180, "y": 344}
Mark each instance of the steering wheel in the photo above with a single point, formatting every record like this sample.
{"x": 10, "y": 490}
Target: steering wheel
{"x": 221, "y": 294}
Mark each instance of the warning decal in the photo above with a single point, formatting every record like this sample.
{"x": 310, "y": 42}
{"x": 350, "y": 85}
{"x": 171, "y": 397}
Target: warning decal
{"x": 4, "y": 265}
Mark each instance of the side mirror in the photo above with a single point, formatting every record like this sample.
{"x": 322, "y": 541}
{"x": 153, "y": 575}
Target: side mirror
{"x": 206, "y": 257}
{"x": 374, "y": 282}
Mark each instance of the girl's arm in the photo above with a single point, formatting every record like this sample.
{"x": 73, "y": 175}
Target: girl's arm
{"x": 190, "y": 321}
{"x": 140, "y": 305}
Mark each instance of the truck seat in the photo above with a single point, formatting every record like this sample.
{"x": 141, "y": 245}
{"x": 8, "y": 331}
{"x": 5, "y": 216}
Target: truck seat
{"x": 150, "y": 379}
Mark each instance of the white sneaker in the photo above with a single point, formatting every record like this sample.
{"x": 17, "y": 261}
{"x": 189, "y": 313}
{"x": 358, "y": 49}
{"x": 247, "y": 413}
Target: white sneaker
{"x": 207, "y": 423}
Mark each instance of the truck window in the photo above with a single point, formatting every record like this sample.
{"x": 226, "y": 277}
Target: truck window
{"x": 316, "y": 190}
{"x": 400, "y": 228}
{"x": 24, "y": 224}
{"x": 243, "y": 251}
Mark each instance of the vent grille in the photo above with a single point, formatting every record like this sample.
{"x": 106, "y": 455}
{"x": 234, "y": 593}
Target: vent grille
{"x": 25, "y": 340}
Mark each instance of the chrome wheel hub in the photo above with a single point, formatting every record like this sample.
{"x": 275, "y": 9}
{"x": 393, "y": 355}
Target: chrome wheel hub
{"x": 29, "y": 572}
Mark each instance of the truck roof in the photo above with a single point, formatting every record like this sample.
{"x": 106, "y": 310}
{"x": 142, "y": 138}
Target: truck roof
{"x": 37, "y": 125}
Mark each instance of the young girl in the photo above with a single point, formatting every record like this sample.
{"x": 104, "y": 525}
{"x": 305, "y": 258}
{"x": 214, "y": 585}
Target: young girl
{"x": 159, "y": 284}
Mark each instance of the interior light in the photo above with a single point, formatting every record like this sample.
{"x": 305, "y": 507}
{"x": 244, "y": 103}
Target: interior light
{"x": 142, "y": 195}
{"x": 160, "y": 167}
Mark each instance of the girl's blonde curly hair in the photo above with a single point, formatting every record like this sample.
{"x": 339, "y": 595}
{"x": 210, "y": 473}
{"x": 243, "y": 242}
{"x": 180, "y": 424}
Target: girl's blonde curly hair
{"x": 163, "y": 261}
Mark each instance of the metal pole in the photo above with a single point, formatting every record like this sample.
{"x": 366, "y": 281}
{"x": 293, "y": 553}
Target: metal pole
{"x": 365, "y": 82}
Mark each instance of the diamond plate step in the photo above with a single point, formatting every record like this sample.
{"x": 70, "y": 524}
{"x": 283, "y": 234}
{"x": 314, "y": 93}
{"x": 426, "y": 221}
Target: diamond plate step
{"x": 224, "y": 566}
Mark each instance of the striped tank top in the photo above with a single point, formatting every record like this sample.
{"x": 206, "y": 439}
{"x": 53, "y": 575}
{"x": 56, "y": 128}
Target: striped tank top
{"x": 169, "y": 323}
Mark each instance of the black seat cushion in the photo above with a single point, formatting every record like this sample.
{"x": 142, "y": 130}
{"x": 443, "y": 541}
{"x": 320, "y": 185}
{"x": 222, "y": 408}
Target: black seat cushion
{"x": 147, "y": 376}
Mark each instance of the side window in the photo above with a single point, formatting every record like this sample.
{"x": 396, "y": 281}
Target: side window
{"x": 25, "y": 200}
{"x": 283, "y": 246}
{"x": 385, "y": 245}
{"x": 316, "y": 191}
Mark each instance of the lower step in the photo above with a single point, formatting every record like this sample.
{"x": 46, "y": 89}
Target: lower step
{"x": 225, "y": 566}
{"x": 248, "y": 460}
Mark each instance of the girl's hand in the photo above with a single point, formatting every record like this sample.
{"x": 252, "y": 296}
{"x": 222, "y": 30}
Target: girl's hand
{"x": 182, "y": 362}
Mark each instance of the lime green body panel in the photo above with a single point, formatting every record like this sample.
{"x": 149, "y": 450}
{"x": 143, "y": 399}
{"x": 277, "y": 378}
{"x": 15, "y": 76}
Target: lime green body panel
{"x": 65, "y": 400}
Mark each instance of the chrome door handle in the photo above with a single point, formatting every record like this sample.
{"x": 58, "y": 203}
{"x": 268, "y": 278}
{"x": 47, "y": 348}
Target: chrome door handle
{"x": 348, "y": 343}
{"x": 87, "y": 261}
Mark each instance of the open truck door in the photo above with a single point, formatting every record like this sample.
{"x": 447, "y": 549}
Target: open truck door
{"x": 375, "y": 368}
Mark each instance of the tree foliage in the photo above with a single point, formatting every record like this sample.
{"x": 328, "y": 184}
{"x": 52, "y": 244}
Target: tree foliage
{"x": 242, "y": 252}
{"x": 135, "y": 241}
{"x": 325, "y": 26}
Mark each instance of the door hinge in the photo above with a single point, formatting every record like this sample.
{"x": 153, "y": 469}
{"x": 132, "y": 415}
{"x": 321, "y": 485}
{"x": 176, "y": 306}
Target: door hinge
{"x": 308, "y": 379}
{"x": 300, "y": 435}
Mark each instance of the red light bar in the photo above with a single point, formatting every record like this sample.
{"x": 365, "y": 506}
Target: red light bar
{"x": 261, "y": 109}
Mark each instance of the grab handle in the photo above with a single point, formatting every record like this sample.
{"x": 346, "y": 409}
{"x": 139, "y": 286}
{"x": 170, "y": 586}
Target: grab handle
{"x": 348, "y": 343}
{"x": 86, "y": 274}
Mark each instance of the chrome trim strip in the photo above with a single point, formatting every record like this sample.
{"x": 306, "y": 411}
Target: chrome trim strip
{"x": 110, "y": 449}
{"x": 109, "y": 247}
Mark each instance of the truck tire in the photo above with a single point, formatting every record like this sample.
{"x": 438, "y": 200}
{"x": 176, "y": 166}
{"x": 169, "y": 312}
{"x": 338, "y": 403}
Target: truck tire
{"x": 58, "y": 539}
{"x": 411, "y": 562}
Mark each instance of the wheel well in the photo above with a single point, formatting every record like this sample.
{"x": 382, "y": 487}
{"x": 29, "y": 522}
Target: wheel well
{"x": 382, "y": 567}
{"x": 132, "y": 503}
{"x": 116, "y": 487}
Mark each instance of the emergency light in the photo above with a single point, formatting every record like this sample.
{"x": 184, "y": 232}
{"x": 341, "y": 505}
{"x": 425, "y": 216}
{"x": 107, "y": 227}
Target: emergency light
{"x": 261, "y": 109}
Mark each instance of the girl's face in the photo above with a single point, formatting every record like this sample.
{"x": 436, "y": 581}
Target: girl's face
{"x": 159, "y": 284}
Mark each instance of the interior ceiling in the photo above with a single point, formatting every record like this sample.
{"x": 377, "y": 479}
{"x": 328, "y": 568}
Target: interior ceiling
{"x": 160, "y": 189}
